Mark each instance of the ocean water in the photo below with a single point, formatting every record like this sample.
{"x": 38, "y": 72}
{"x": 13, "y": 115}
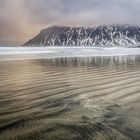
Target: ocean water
{"x": 90, "y": 98}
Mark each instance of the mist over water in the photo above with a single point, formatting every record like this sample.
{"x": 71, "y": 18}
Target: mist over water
{"x": 94, "y": 98}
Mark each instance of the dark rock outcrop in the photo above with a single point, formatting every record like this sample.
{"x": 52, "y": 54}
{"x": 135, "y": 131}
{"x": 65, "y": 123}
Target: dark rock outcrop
{"x": 113, "y": 35}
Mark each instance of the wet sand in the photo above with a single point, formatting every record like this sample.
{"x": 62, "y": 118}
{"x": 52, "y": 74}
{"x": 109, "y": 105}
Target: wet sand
{"x": 95, "y": 98}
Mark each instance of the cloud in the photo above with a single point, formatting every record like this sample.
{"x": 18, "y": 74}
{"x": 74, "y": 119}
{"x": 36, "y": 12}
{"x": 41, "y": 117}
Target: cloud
{"x": 84, "y": 12}
{"x": 10, "y": 20}
{"x": 44, "y": 11}
{"x": 22, "y": 19}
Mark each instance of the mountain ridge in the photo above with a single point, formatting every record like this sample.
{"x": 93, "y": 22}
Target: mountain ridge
{"x": 105, "y": 35}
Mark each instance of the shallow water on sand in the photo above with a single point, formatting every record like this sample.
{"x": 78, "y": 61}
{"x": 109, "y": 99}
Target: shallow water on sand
{"x": 70, "y": 99}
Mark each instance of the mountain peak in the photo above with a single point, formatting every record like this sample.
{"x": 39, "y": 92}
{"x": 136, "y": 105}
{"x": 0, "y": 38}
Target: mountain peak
{"x": 105, "y": 35}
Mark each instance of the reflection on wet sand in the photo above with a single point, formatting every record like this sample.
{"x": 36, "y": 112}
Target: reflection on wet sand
{"x": 70, "y": 99}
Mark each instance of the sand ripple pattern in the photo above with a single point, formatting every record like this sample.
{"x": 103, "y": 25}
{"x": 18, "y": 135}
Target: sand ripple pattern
{"x": 70, "y": 99}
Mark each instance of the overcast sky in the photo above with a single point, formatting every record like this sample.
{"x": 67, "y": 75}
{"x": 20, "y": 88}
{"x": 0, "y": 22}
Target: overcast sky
{"x": 21, "y": 20}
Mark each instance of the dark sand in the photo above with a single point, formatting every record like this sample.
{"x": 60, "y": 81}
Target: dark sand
{"x": 70, "y": 99}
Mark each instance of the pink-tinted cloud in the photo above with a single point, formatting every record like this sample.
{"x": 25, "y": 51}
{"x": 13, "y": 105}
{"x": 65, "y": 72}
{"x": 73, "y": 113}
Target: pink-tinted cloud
{"x": 22, "y": 19}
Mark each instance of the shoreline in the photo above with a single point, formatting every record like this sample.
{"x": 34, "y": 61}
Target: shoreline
{"x": 21, "y": 53}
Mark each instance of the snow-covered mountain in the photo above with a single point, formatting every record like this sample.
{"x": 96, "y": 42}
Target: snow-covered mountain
{"x": 113, "y": 35}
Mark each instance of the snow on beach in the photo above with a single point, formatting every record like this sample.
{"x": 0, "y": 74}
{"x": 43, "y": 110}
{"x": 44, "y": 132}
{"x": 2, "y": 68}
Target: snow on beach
{"x": 12, "y": 53}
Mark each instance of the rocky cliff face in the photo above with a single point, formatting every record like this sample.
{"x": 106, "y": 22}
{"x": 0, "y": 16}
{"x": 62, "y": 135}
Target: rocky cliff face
{"x": 115, "y": 35}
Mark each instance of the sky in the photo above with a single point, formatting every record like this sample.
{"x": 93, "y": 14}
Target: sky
{"x": 21, "y": 20}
